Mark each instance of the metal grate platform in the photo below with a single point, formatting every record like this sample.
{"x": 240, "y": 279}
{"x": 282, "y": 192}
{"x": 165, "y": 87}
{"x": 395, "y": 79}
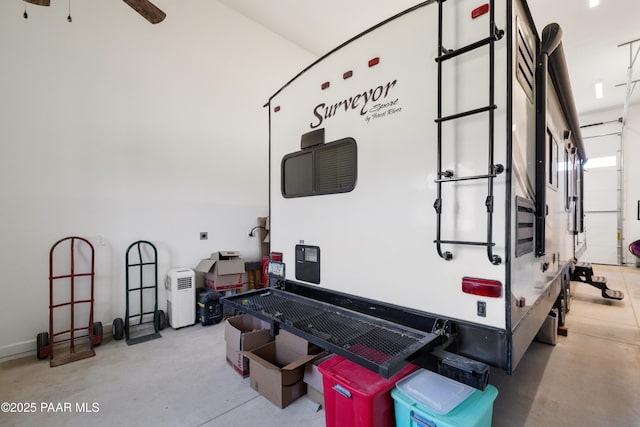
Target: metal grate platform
{"x": 376, "y": 344}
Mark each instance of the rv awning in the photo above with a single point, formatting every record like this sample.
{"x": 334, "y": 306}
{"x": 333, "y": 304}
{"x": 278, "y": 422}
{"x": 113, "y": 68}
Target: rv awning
{"x": 552, "y": 46}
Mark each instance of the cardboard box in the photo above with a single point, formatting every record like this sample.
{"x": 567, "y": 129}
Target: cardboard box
{"x": 277, "y": 368}
{"x": 241, "y": 333}
{"x": 224, "y": 271}
{"x": 313, "y": 378}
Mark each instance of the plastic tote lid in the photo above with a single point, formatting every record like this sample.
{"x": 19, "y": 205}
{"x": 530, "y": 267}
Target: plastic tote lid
{"x": 434, "y": 392}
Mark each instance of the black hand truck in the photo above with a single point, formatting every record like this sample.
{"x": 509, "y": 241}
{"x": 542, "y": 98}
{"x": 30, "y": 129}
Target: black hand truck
{"x": 147, "y": 259}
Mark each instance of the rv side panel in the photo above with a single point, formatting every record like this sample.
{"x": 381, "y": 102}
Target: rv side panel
{"x": 375, "y": 239}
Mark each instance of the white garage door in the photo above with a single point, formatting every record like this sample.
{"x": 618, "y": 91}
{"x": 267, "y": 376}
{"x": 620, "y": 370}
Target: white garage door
{"x": 602, "y": 204}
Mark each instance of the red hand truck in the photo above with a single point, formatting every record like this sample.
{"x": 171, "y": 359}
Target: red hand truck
{"x": 78, "y": 247}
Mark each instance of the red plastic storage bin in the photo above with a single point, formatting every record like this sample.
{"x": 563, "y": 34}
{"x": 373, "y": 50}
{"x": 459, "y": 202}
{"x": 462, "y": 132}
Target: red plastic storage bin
{"x": 357, "y": 397}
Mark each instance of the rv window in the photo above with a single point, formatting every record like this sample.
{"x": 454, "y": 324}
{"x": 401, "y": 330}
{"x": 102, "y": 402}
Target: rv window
{"x": 335, "y": 168}
{"x": 297, "y": 174}
{"x": 323, "y": 169}
{"x": 569, "y": 181}
{"x": 579, "y": 182}
{"x": 552, "y": 161}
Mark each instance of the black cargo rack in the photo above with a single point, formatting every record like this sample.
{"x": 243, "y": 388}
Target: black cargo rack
{"x": 374, "y": 343}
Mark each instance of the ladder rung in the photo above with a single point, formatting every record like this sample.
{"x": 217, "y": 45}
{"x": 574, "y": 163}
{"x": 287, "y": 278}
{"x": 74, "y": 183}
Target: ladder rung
{"x": 62, "y": 304}
{"x": 140, "y": 264}
{"x": 465, "y": 178}
{"x": 140, "y": 288}
{"x": 466, "y": 113}
{"x": 453, "y": 53}
{"x": 461, "y": 242}
{"x": 141, "y": 314}
{"x": 69, "y": 276}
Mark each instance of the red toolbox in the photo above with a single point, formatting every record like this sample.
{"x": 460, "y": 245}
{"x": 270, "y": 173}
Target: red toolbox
{"x": 357, "y": 397}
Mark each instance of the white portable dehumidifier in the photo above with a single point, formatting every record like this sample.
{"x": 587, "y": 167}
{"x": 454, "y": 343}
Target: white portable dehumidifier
{"x": 180, "y": 284}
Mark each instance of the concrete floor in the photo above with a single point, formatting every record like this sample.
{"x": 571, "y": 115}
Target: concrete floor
{"x": 590, "y": 378}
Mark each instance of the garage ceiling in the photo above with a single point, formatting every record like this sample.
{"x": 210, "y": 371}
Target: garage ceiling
{"x": 591, "y": 35}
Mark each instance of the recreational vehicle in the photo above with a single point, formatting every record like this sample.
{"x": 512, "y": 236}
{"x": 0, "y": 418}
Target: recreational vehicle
{"x": 426, "y": 192}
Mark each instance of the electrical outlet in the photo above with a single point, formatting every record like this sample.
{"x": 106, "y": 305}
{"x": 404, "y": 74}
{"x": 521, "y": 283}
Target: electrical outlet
{"x": 204, "y": 235}
{"x": 482, "y": 309}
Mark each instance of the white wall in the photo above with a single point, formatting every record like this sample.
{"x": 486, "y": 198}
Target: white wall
{"x": 631, "y": 155}
{"x": 112, "y": 126}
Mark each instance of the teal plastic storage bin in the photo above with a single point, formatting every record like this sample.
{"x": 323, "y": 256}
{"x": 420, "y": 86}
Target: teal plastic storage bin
{"x": 475, "y": 411}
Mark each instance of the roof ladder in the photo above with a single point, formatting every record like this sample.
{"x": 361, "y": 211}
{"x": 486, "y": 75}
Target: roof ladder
{"x": 493, "y": 170}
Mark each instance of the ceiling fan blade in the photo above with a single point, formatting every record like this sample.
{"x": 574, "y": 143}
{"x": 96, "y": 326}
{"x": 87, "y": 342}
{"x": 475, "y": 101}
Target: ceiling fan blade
{"x": 148, "y": 10}
{"x": 39, "y": 2}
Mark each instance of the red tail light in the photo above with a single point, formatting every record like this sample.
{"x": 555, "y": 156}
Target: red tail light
{"x": 481, "y": 287}
{"x": 479, "y": 11}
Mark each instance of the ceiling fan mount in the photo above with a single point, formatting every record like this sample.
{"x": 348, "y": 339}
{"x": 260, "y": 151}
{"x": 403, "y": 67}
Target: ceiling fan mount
{"x": 145, "y": 8}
